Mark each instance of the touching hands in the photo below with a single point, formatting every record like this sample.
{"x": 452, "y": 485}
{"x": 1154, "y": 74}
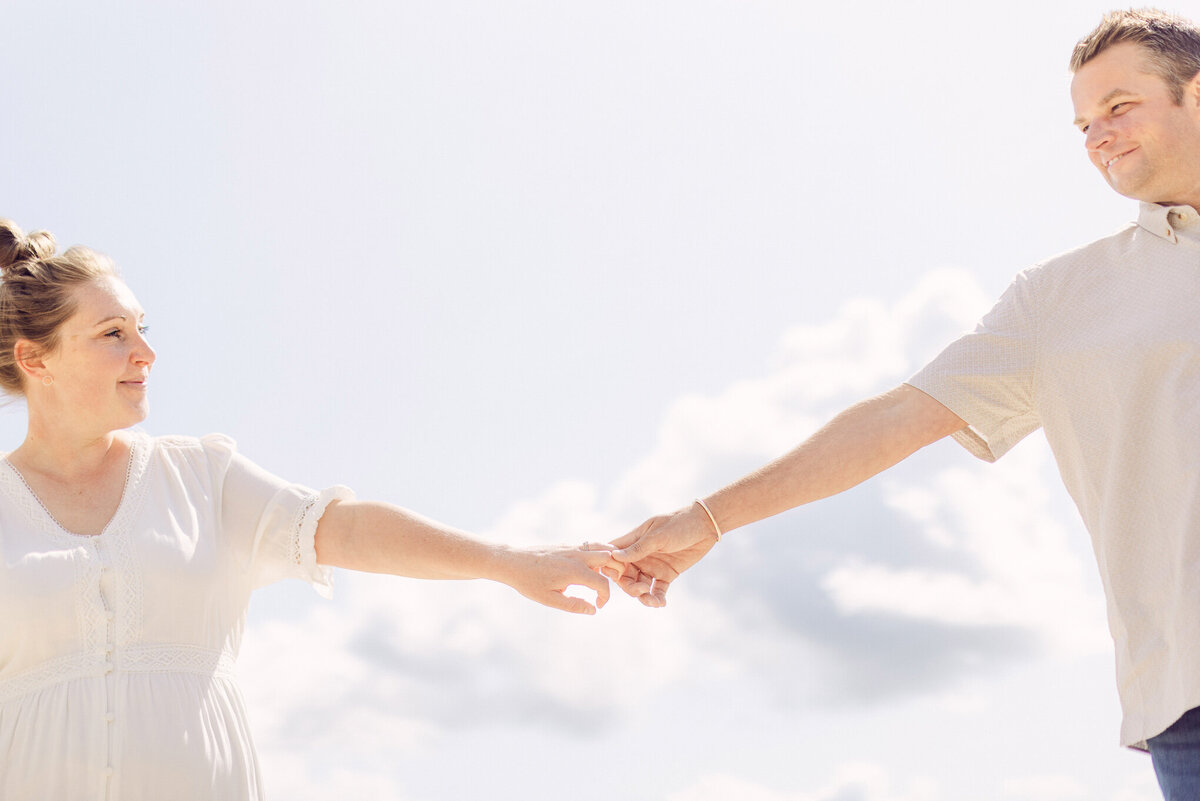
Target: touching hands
{"x": 656, "y": 552}
{"x": 643, "y": 562}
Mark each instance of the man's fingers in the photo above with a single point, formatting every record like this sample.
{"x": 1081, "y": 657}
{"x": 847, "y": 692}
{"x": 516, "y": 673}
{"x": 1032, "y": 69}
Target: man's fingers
{"x": 655, "y": 599}
{"x": 598, "y": 556}
{"x": 636, "y": 550}
{"x": 614, "y": 573}
{"x": 635, "y": 583}
{"x": 630, "y": 538}
{"x": 659, "y": 593}
{"x": 635, "y": 544}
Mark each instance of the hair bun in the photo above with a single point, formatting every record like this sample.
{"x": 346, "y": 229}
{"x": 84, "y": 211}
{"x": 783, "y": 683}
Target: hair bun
{"x": 16, "y": 247}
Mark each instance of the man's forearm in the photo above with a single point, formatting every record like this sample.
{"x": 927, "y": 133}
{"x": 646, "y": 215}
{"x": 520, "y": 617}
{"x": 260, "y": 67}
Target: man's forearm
{"x": 862, "y": 441}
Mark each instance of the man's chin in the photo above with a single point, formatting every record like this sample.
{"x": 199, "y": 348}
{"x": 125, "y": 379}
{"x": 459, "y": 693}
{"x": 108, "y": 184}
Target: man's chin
{"x": 1124, "y": 189}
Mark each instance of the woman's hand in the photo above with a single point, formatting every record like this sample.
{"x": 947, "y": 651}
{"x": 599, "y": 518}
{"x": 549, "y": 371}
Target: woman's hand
{"x": 544, "y": 574}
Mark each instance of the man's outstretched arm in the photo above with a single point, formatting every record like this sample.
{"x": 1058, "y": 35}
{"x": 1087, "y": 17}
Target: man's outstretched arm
{"x": 865, "y": 439}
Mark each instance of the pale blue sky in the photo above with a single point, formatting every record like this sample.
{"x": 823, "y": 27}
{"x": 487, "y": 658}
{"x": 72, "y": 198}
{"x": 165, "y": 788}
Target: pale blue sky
{"x": 539, "y": 269}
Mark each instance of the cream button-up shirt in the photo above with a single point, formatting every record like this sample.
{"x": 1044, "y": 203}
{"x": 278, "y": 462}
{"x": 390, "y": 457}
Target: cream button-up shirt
{"x": 1101, "y": 348}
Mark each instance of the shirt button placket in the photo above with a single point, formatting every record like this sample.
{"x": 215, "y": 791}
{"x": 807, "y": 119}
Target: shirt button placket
{"x": 105, "y": 587}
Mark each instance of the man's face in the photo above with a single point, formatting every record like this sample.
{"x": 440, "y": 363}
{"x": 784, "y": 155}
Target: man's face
{"x": 1145, "y": 145}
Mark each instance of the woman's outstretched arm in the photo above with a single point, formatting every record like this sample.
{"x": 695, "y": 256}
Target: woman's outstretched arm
{"x": 380, "y": 538}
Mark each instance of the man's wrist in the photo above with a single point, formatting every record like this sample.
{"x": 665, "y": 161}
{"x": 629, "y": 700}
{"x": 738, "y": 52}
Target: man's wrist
{"x": 708, "y": 517}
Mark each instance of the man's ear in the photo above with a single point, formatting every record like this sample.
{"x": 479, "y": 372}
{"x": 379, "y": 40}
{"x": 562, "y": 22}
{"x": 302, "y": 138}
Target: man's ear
{"x": 1191, "y": 93}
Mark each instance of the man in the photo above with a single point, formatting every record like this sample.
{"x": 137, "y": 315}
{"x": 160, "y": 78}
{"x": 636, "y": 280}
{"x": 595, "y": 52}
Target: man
{"x": 1101, "y": 348}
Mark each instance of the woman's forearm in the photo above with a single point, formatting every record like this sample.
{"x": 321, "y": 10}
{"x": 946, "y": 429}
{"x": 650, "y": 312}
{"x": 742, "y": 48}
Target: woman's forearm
{"x": 376, "y": 537}
{"x": 380, "y": 538}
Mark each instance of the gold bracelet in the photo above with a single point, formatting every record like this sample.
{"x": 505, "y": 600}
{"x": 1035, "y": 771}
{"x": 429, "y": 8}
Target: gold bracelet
{"x": 708, "y": 512}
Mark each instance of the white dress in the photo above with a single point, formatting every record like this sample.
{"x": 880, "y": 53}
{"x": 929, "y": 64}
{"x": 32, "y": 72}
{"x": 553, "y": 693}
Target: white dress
{"x": 117, "y": 650}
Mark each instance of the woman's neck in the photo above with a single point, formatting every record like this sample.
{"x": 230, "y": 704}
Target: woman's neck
{"x": 66, "y": 454}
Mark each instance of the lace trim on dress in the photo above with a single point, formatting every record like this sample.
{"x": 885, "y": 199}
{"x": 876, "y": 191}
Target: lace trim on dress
{"x": 128, "y": 566}
{"x": 89, "y": 600}
{"x": 12, "y": 483}
{"x": 136, "y": 659}
{"x": 176, "y": 659}
{"x": 302, "y": 544}
{"x": 19, "y": 491}
{"x": 90, "y": 608}
{"x": 53, "y": 671}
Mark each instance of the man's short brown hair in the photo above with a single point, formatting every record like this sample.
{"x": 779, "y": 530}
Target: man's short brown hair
{"x": 1172, "y": 44}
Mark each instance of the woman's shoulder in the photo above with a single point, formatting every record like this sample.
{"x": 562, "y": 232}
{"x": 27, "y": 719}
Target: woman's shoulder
{"x": 184, "y": 441}
{"x": 210, "y": 448}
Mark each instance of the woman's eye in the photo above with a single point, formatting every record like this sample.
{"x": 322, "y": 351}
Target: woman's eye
{"x": 143, "y": 329}
{"x": 116, "y": 333}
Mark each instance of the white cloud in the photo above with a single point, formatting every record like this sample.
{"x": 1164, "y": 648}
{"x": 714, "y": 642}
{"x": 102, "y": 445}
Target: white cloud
{"x": 1027, "y": 573}
{"x": 297, "y": 777}
{"x": 850, "y": 782}
{"x": 868, "y": 347}
{"x": 1045, "y": 788}
{"x": 871, "y": 782}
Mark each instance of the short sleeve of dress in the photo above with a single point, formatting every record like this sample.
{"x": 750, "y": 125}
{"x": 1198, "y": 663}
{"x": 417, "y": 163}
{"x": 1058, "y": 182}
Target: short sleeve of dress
{"x": 987, "y": 377}
{"x": 273, "y": 521}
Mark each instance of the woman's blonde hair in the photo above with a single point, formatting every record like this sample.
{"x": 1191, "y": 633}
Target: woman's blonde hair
{"x": 37, "y": 293}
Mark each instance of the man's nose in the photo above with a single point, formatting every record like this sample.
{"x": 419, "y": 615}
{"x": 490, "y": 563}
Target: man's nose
{"x": 1099, "y": 134}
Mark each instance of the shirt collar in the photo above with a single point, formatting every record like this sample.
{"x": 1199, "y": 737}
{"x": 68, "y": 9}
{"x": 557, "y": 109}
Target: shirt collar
{"x": 1162, "y": 220}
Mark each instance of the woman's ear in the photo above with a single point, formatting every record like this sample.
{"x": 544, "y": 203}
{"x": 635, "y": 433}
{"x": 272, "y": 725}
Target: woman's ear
{"x": 29, "y": 360}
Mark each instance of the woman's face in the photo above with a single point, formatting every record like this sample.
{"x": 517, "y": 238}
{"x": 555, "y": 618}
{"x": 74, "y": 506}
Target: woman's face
{"x": 101, "y": 367}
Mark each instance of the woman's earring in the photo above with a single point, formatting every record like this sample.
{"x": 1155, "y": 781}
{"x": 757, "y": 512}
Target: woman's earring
{"x": 47, "y": 380}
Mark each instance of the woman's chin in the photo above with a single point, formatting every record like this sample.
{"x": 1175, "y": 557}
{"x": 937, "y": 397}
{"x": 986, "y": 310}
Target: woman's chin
{"x": 134, "y": 416}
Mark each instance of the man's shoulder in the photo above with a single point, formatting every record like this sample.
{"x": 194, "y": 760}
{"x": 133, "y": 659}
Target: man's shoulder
{"x": 1114, "y": 245}
{"x": 1096, "y": 256}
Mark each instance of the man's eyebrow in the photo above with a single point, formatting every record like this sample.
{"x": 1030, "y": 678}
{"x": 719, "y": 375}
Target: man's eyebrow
{"x": 1104, "y": 101}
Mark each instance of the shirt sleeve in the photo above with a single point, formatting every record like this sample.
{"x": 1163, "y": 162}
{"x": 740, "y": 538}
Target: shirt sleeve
{"x": 273, "y": 521}
{"x": 987, "y": 377}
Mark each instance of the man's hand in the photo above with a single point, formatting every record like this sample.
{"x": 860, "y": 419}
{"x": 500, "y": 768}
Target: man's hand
{"x": 861, "y": 441}
{"x": 657, "y": 551}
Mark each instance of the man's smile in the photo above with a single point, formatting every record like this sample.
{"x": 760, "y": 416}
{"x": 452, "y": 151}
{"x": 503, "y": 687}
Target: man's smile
{"x": 1117, "y": 158}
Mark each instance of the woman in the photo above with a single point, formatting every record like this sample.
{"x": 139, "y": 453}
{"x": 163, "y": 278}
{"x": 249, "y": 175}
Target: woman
{"x": 127, "y": 562}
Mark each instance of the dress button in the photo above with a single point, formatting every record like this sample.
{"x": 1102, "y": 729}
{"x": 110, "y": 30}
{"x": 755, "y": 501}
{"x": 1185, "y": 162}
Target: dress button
{"x": 108, "y": 772}
{"x": 109, "y": 717}
{"x": 108, "y": 667}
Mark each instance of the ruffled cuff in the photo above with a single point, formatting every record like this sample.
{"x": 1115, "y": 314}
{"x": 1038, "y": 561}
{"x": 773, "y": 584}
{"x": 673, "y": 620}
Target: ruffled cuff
{"x": 320, "y": 576}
